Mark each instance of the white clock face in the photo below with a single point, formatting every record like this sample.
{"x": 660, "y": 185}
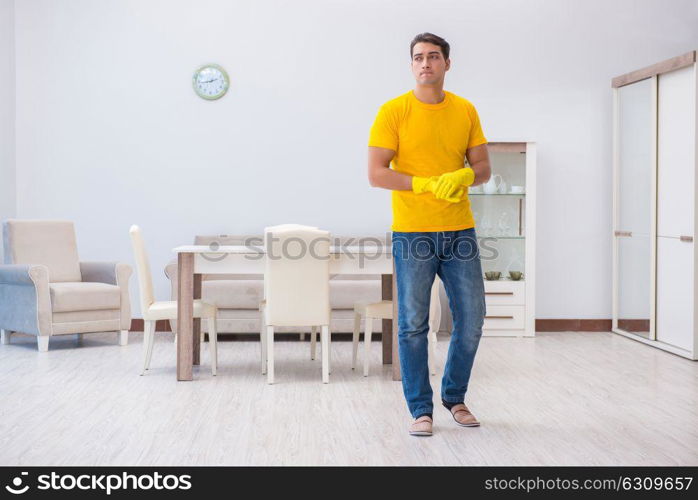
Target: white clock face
{"x": 210, "y": 82}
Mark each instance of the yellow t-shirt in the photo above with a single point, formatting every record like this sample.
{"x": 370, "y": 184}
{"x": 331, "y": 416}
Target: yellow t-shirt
{"x": 429, "y": 139}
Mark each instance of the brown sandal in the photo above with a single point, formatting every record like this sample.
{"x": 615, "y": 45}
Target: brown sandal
{"x": 422, "y": 426}
{"x": 463, "y": 417}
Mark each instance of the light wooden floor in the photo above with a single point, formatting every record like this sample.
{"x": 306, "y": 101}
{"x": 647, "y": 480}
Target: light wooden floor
{"x": 558, "y": 399}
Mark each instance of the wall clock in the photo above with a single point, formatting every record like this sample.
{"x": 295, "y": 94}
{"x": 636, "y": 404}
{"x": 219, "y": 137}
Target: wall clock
{"x": 210, "y": 81}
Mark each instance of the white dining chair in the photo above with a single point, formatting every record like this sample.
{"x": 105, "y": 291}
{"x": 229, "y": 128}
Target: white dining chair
{"x": 153, "y": 311}
{"x": 296, "y": 287}
{"x": 301, "y": 335}
{"x": 384, "y": 310}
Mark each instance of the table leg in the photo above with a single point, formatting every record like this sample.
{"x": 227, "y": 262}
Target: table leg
{"x": 390, "y": 345}
{"x": 185, "y": 313}
{"x": 387, "y": 324}
{"x": 196, "y": 331}
{"x": 395, "y": 355}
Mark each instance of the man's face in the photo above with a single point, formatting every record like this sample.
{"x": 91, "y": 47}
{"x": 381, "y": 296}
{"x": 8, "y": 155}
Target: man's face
{"x": 428, "y": 64}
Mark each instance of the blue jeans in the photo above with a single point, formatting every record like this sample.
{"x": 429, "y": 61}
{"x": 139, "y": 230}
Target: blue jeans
{"x": 455, "y": 258}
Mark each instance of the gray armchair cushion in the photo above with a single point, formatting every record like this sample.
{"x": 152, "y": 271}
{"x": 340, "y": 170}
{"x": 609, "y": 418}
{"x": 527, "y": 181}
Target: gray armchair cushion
{"x": 51, "y": 243}
{"x": 84, "y": 296}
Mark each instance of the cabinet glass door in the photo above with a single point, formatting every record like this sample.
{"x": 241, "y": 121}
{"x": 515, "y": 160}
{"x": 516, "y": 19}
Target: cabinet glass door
{"x": 499, "y": 210}
{"x": 633, "y": 238}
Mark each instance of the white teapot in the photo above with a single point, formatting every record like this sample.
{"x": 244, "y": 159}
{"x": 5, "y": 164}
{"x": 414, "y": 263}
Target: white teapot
{"x": 492, "y": 186}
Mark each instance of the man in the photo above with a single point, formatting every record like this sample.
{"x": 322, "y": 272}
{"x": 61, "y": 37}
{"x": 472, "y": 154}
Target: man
{"x": 427, "y": 133}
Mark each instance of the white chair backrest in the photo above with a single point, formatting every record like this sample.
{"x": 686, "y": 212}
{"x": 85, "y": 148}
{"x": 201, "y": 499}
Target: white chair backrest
{"x": 297, "y": 275}
{"x": 145, "y": 279}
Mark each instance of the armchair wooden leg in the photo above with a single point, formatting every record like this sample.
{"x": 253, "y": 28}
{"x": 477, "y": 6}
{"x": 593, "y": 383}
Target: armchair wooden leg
{"x": 5, "y": 334}
{"x": 42, "y": 341}
{"x": 123, "y": 337}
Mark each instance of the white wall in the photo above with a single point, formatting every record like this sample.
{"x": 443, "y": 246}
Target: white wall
{"x": 110, "y": 133}
{"x": 8, "y": 202}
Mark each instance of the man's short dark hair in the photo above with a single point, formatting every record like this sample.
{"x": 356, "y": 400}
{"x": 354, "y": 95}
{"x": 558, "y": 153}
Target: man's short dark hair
{"x": 431, "y": 38}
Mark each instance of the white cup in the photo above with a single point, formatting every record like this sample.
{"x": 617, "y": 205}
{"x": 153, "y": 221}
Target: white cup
{"x": 517, "y": 190}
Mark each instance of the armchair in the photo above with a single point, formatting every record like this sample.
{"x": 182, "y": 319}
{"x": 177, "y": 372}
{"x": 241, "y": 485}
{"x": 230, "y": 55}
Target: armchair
{"x": 45, "y": 290}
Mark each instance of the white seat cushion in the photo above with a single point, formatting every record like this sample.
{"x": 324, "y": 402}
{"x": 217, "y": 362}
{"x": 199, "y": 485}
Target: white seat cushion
{"x": 167, "y": 309}
{"x": 382, "y": 309}
{"x": 81, "y": 296}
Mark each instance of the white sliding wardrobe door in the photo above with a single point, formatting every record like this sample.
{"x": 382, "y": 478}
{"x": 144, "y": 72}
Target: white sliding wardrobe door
{"x": 675, "y": 292}
{"x": 676, "y": 164}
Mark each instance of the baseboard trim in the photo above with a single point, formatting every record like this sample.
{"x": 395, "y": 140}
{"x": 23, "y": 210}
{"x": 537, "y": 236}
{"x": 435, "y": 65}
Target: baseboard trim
{"x": 573, "y": 325}
{"x": 542, "y": 325}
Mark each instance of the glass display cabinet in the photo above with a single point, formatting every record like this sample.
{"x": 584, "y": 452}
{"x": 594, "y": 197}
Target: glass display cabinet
{"x": 504, "y": 212}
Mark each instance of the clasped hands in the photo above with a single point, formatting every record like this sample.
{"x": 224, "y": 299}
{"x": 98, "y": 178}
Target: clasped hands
{"x": 450, "y": 186}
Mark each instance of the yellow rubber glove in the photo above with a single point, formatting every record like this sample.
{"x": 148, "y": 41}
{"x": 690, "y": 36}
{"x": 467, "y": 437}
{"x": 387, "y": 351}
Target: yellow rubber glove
{"x": 428, "y": 185}
{"x": 449, "y": 183}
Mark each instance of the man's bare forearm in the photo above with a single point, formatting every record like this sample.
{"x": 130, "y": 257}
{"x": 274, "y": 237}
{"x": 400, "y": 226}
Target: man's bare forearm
{"x": 387, "y": 178}
{"x": 479, "y": 160}
{"x": 482, "y": 172}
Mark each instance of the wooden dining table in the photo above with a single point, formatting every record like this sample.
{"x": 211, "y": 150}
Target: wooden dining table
{"x": 193, "y": 261}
